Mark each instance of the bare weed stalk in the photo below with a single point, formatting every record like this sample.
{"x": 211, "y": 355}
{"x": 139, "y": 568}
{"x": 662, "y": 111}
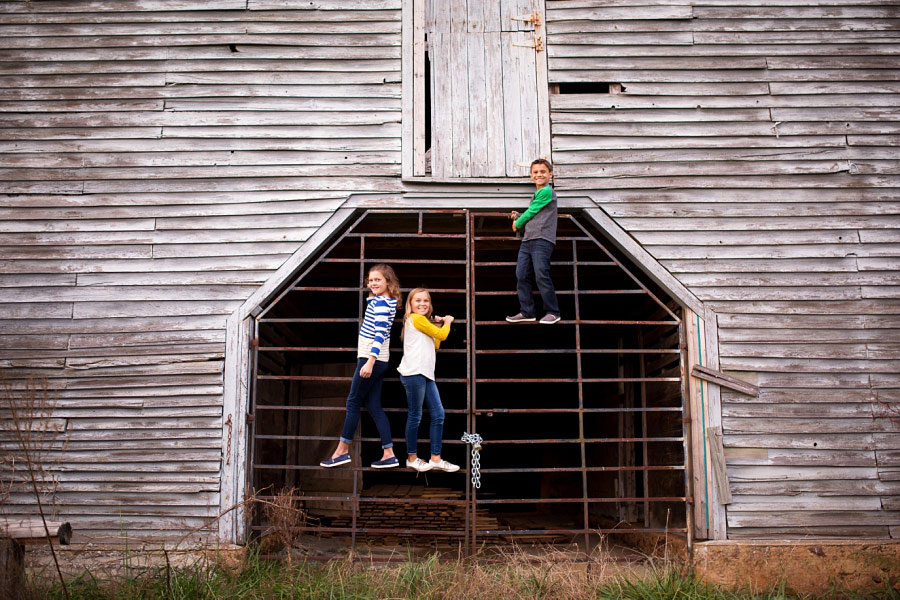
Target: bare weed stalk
{"x": 36, "y": 434}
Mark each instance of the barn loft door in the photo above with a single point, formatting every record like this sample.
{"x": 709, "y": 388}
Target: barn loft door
{"x": 487, "y": 90}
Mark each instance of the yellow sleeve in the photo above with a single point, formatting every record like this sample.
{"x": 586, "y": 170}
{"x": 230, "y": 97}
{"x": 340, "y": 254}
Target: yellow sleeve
{"x": 439, "y": 334}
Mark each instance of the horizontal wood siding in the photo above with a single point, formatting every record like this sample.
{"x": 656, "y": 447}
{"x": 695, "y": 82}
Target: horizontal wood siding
{"x": 754, "y": 153}
{"x": 157, "y": 165}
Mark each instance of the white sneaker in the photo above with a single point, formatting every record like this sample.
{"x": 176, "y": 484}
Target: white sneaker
{"x": 443, "y": 466}
{"x": 420, "y": 465}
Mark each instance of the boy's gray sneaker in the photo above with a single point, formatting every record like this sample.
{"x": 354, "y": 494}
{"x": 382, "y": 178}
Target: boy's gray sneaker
{"x": 520, "y": 318}
{"x": 549, "y": 319}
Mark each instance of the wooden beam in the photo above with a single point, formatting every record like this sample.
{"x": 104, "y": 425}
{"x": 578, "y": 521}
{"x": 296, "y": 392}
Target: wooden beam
{"x": 717, "y": 458}
{"x": 31, "y": 531}
{"x": 720, "y": 378}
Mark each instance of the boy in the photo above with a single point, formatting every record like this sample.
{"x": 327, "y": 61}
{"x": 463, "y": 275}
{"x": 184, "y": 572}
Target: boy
{"x": 537, "y": 245}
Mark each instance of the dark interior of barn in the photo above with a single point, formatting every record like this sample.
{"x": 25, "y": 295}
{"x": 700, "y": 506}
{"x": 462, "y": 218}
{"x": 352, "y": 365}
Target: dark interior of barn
{"x": 582, "y": 420}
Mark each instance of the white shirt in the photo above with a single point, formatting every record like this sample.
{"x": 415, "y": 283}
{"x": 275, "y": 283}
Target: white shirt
{"x": 419, "y": 347}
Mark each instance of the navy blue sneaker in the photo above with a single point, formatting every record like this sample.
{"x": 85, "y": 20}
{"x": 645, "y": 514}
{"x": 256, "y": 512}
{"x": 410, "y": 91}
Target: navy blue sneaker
{"x": 336, "y": 461}
{"x": 387, "y": 463}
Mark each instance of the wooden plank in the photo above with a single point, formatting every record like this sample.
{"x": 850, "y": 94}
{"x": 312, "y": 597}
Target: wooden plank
{"x": 318, "y": 5}
{"x": 561, "y": 62}
{"x": 583, "y": 102}
{"x": 701, "y": 168}
{"x": 815, "y": 351}
{"x": 478, "y": 107}
{"x": 442, "y": 133}
{"x": 720, "y": 378}
{"x": 742, "y": 473}
{"x": 703, "y": 485}
{"x": 830, "y": 441}
{"x": 417, "y": 90}
{"x": 576, "y": 142}
{"x": 661, "y": 115}
{"x": 458, "y": 105}
{"x": 829, "y": 47}
{"x": 173, "y": 308}
{"x": 512, "y": 112}
{"x": 214, "y": 15}
{"x": 823, "y": 488}
{"x": 542, "y": 80}
{"x": 386, "y": 90}
{"x": 36, "y": 531}
{"x": 785, "y": 425}
{"x": 660, "y": 38}
{"x": 803, "y": 502}
{"x": 835, "y": 87}
{"x": 56, "y": 6}
{"x": 812, "y": 518}
{"x": 799, "y": 457}
{"x": 793, "y": 12}
{"x": 808, "y": 533}
{"x": 616, "y": 13}
{"x": 493, "y": 64}
{"x": 528, "y": 64}
{"x": 717, "y": 460}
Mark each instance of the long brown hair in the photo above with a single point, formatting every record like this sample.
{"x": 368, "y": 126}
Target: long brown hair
{"x": 409, "y": 307}
{"x": 393, "y": 282}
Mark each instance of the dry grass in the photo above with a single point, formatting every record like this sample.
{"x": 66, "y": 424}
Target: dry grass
{"x": 511, "y": 576}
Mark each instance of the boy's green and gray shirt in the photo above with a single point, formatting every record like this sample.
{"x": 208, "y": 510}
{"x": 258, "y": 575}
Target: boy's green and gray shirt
{"x": 540, "y": 217}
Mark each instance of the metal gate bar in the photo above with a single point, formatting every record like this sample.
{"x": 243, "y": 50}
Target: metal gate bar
{"x": 470, "y": 243}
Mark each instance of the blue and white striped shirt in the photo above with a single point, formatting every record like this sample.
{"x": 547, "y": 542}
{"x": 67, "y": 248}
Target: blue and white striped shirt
{"x": 375, "y": 331}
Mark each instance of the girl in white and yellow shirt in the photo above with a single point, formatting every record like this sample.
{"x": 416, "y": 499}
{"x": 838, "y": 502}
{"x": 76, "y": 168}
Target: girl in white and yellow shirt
{"x": 421, "y": 339}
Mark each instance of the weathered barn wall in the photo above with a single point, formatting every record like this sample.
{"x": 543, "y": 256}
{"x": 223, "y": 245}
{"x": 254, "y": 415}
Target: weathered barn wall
{"x": 754, "y": 154}
{"x": 158, "y": 162}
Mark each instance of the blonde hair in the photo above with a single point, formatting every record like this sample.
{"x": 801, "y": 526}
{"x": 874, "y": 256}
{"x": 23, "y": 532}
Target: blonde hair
{"x": 409, "y": 309}
{"x": 393, "y": 282}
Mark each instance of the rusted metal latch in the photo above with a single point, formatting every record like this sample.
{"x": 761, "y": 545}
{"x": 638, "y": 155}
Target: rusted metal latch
{"x": 534, "y": 18}
{"x": 536, "y": 43}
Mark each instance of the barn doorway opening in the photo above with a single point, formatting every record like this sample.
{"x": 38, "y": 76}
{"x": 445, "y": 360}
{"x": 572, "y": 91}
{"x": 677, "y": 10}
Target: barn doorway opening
{"x": 582, "y": 421}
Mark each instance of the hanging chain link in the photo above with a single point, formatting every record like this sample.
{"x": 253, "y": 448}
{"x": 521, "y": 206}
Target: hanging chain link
{"x": 475, "y": 439}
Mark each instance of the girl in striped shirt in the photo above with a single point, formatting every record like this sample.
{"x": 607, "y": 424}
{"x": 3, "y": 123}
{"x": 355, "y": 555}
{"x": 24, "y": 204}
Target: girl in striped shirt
{"x": 372, "y": 353}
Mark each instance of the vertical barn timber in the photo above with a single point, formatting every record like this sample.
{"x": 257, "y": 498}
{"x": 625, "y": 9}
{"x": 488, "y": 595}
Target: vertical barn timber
{"x": 165, "y": 166}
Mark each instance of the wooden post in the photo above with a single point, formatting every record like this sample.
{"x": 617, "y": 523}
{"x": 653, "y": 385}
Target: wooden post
{"x": 12, "y": 557}
{"x": 13, "y": 537}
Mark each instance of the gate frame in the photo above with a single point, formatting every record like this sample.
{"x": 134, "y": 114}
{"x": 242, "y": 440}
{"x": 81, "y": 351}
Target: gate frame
{"x": 709, "y": 512}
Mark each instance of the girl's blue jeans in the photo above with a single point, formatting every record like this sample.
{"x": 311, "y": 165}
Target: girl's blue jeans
{"x": 419, "y": 390}
{"x": 367, "y": 390}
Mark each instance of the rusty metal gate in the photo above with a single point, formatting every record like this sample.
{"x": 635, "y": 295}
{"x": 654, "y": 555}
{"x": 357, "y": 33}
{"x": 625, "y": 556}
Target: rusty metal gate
{"x": 583, "y": 421}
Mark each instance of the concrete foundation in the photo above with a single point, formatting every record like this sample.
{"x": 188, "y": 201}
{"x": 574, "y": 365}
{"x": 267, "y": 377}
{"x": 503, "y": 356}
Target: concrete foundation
{"x": 815, "y": 567}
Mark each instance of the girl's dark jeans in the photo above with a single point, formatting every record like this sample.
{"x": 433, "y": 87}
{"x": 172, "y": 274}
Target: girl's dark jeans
{"x": 367, "y": 390}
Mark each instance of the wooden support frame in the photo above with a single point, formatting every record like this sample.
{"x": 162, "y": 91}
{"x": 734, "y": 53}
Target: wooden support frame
{"x": 709, "y": 489}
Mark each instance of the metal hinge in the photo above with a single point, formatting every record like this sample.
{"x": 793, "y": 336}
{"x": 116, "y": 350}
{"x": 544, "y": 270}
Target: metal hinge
{"x": 251, "y": 417}
{"x": 536, "y": 43}
{"x": 534, "y": 18}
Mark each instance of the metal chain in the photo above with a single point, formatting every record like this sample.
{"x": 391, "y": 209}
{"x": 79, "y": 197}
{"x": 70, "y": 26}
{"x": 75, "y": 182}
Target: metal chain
{"x": 475, "y": 440}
